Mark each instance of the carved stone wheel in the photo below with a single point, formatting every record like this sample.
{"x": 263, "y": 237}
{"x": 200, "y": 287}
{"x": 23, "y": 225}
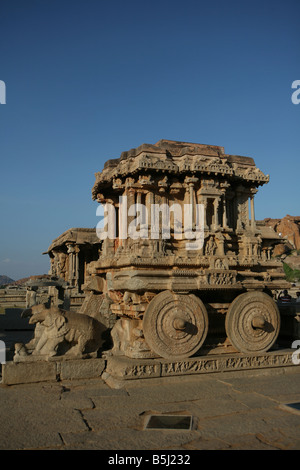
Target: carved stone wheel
{"x": 252, "y": 322}
{"x": 175, "y": 325}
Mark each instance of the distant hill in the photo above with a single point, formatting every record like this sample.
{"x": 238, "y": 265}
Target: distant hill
{"x": 21, "y": 282}
{"x": 5, "y": 280}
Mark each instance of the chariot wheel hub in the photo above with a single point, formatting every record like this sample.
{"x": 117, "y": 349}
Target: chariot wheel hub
{"x": 258, "y": 322}
{"x": 179, "y": 323}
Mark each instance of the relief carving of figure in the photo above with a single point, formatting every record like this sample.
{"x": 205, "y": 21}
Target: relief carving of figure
{"x": 61, "y": 264}
{"x": 219, "y": 264}
{"x": 210, "y": 247}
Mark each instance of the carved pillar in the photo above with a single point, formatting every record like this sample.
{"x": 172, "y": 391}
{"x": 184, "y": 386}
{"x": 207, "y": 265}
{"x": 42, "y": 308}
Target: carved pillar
{"x": 130, "y": 201}
{"x": 203, "y": 200}
{"x": 238, "y": 214}
{"x": 242, "y": 208}
{"x": 139, "y": 206}
{"x": 77, "y": 249}
{"x": 253, "y": 192}
{"x": 192, "y": 205}
{"x": 149, "y": 204}
{"x": 130, "y": 218}
{"x": 220, "y": 241}
{"x": 224, "y": 222}
{"x": 190, "y": 185}
{"x": 215, "y": 216}
{"x": 144, "y": 215}
{"x": 72, "y": 263}
{"x": 122, "y": 219}
{"x": 139, "y": 197}
{"x": 164, "y": 228}
{"x": 154, "y": 219}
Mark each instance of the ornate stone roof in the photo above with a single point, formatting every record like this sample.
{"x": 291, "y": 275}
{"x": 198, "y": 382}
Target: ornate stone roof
{"x": 167, "y": 156}
{"x": 79, "y": 236}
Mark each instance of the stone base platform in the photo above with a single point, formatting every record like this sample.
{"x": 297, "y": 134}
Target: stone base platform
{"x": 120, "y": 368}
{"x": 53, "y": 369}
{"x": 116, "y": 370}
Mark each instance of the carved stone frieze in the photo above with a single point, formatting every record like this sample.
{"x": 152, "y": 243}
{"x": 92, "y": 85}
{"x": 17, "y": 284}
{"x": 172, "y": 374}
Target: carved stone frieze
{"x": 128, "y": 369}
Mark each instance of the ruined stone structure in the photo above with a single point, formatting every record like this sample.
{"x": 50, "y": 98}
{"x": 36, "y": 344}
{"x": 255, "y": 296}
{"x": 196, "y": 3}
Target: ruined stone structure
{"x": 71, "y": 253}
{"x": 170, "y": 297}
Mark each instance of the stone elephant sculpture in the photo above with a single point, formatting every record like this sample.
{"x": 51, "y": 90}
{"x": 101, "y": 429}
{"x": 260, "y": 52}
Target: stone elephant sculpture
{"x": 64, "y": 332}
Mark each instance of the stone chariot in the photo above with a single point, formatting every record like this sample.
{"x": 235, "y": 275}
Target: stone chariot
{"x": 180, "y": 278}
{"x": 169, "y": 299}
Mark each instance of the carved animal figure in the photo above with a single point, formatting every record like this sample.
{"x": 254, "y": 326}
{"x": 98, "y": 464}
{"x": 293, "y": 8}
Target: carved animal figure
{"x": 65, "y": 332}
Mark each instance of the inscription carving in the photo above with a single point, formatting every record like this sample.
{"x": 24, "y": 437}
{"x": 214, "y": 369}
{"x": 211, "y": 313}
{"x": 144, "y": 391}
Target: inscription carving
{"x": 143, "y": 370}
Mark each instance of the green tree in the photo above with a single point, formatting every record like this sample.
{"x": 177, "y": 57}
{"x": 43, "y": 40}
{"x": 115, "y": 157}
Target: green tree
{"x": 290, "y": 273}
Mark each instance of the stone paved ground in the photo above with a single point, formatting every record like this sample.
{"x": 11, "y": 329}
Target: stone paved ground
{"x": 231, "y": 410}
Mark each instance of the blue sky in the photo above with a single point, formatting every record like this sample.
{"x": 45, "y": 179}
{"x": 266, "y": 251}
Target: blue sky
{"x": 87, "y": 79}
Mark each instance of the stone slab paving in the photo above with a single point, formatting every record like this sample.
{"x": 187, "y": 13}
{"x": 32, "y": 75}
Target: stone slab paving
{"x": 234, "y": 410}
